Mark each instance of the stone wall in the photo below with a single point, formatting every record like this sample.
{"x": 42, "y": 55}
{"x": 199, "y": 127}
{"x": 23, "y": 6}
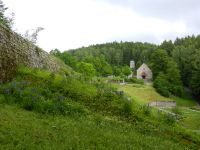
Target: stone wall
{"x": 16, "y": 51}
{"x": 163, "y": 104}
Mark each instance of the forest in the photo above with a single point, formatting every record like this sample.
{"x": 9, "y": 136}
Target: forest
{"x": 175, "y": 65}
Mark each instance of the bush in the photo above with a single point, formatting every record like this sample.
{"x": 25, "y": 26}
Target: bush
{"x": 177, "y": 90}
{"x": 161, "y": 85}
{"x": 167, "y": 88}
{"x": 127, "y": 108}
{"x": 50, "y": 93}
{"x": 146, "y": 110}
{"x": 169, "y": 119}
{"x": 43, "y": 93}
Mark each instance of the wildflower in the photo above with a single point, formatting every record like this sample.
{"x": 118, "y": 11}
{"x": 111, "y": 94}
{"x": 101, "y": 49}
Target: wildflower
{"x": 61, "y": 98}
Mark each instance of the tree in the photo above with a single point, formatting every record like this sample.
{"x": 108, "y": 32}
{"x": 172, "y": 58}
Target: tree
{"x": 32, "y": 37}
{"x": 126, "y": 70}
{"x": 55, "y": 52}
{"x": 102, "y": 67}
{"x": 3, "y": 19}
{"x": 168, "y": 72}
{"x": 162, "y": 85}
{"x": 168, "y": 46}
{"x": 117, "y": 70}
{"x": 195, "y": 83}
{"x": 159, "y": 60}
{"x": 173, "y": 77}
{"x": 86, "y": 69}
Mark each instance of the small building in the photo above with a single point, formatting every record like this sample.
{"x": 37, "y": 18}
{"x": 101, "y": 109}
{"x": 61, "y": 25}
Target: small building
{"x": 132, "y": 64}
{"x": 144, "y": 72}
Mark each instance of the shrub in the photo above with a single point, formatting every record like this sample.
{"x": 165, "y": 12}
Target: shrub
{"x": 127, "y": 108}
{"x": 146, "y": 110}
{"x": 169, "y": 119}
{"x": 161, "y": 85}
{"x": 50, "y": 93}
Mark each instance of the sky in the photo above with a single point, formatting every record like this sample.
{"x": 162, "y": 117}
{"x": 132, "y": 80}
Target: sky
{"x": 70, "y": 24}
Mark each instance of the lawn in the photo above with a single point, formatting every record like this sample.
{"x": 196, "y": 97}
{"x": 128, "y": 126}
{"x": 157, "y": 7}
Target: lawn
{"x": 191, "y": 119}
{"x": 146, "y": 93}
{"x": 21, "y": 129}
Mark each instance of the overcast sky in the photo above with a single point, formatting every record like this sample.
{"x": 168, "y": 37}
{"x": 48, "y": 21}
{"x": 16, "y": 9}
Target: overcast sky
{"x": 70, "y": 24}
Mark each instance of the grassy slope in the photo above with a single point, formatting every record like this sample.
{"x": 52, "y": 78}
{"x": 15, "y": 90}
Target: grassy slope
{"x": 146, "y": 93}
{"x": 191, "y": 119}
{"x": 20, "y": 129}
{"x": 99, "y": 128}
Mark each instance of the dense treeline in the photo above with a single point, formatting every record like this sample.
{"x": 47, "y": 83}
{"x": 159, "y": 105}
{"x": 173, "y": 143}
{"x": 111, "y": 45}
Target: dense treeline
{"x": 174, "y": 64}
{"x": 186, "y": 53}
{"x": 118, "y": 54}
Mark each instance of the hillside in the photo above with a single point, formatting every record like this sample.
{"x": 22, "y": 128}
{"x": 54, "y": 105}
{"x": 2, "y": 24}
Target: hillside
{"x": 186, "y": 108}
{"x": 118, "y": 95}
{"x": 64, "y": 115}
{"x": 174, "y": 64}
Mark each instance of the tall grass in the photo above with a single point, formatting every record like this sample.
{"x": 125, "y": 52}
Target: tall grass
{"x": 105, "y": 115}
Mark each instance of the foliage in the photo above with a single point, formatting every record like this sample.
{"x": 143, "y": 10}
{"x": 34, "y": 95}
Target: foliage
{"x": 166, "y": 74}
{"x": 195, "y": 83}
{"x": 93, "y": 106}
{"x": 32, "y": 35}
{"x": 159, "y": 60}
{"x": 126, "y": 70}
{"x": 45, "y": 92}
{"x": 3, "y": 19}
{"x": 178, "y": 61}
{"x": 186, "y": 53}
{"x": 168, "y": 46}
{"x": 162, "y": 85}
{"x": 146, "y": 110}
{"x": 86, "y": 69}
{"x": 100, "y": 64}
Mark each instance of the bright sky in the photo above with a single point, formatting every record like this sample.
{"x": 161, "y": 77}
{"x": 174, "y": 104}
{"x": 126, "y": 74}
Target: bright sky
{"x": 70, "y": 24}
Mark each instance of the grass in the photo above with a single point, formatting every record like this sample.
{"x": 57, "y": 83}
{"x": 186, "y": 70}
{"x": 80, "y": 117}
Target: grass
{"x": 41, "y": 110}
{"x": 21, "y": 129}
{"x": 190, "y": 119}
{"x": 141, "y": 93}
{"x": 146, "y": 93}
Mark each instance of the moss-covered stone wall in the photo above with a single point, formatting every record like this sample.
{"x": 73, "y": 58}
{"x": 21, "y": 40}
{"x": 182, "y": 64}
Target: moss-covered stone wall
{"x": 16, "y": 51}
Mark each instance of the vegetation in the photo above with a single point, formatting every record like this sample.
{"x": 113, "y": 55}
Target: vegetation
{"x": 177, "y": 62}
{"x": 7, "y": 22}
{"x": 83, "y": 115}
{"x": 143, "y": 94}
{"x": 44, "y": 110}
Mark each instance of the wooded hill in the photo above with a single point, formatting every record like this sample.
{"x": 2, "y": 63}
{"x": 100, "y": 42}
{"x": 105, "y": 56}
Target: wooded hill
{"x": 173, "y": 63}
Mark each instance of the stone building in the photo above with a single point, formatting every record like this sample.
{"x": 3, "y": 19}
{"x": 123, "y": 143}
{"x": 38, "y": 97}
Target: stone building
{"x": 144, "y": 72}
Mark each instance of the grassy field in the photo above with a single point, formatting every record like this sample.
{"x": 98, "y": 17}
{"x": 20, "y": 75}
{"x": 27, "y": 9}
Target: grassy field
{"x": 191, "y": 119}
{"x": 41, "y": 110}
{"x": 21, "y": 129}
{"x": 146, "y": 93}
